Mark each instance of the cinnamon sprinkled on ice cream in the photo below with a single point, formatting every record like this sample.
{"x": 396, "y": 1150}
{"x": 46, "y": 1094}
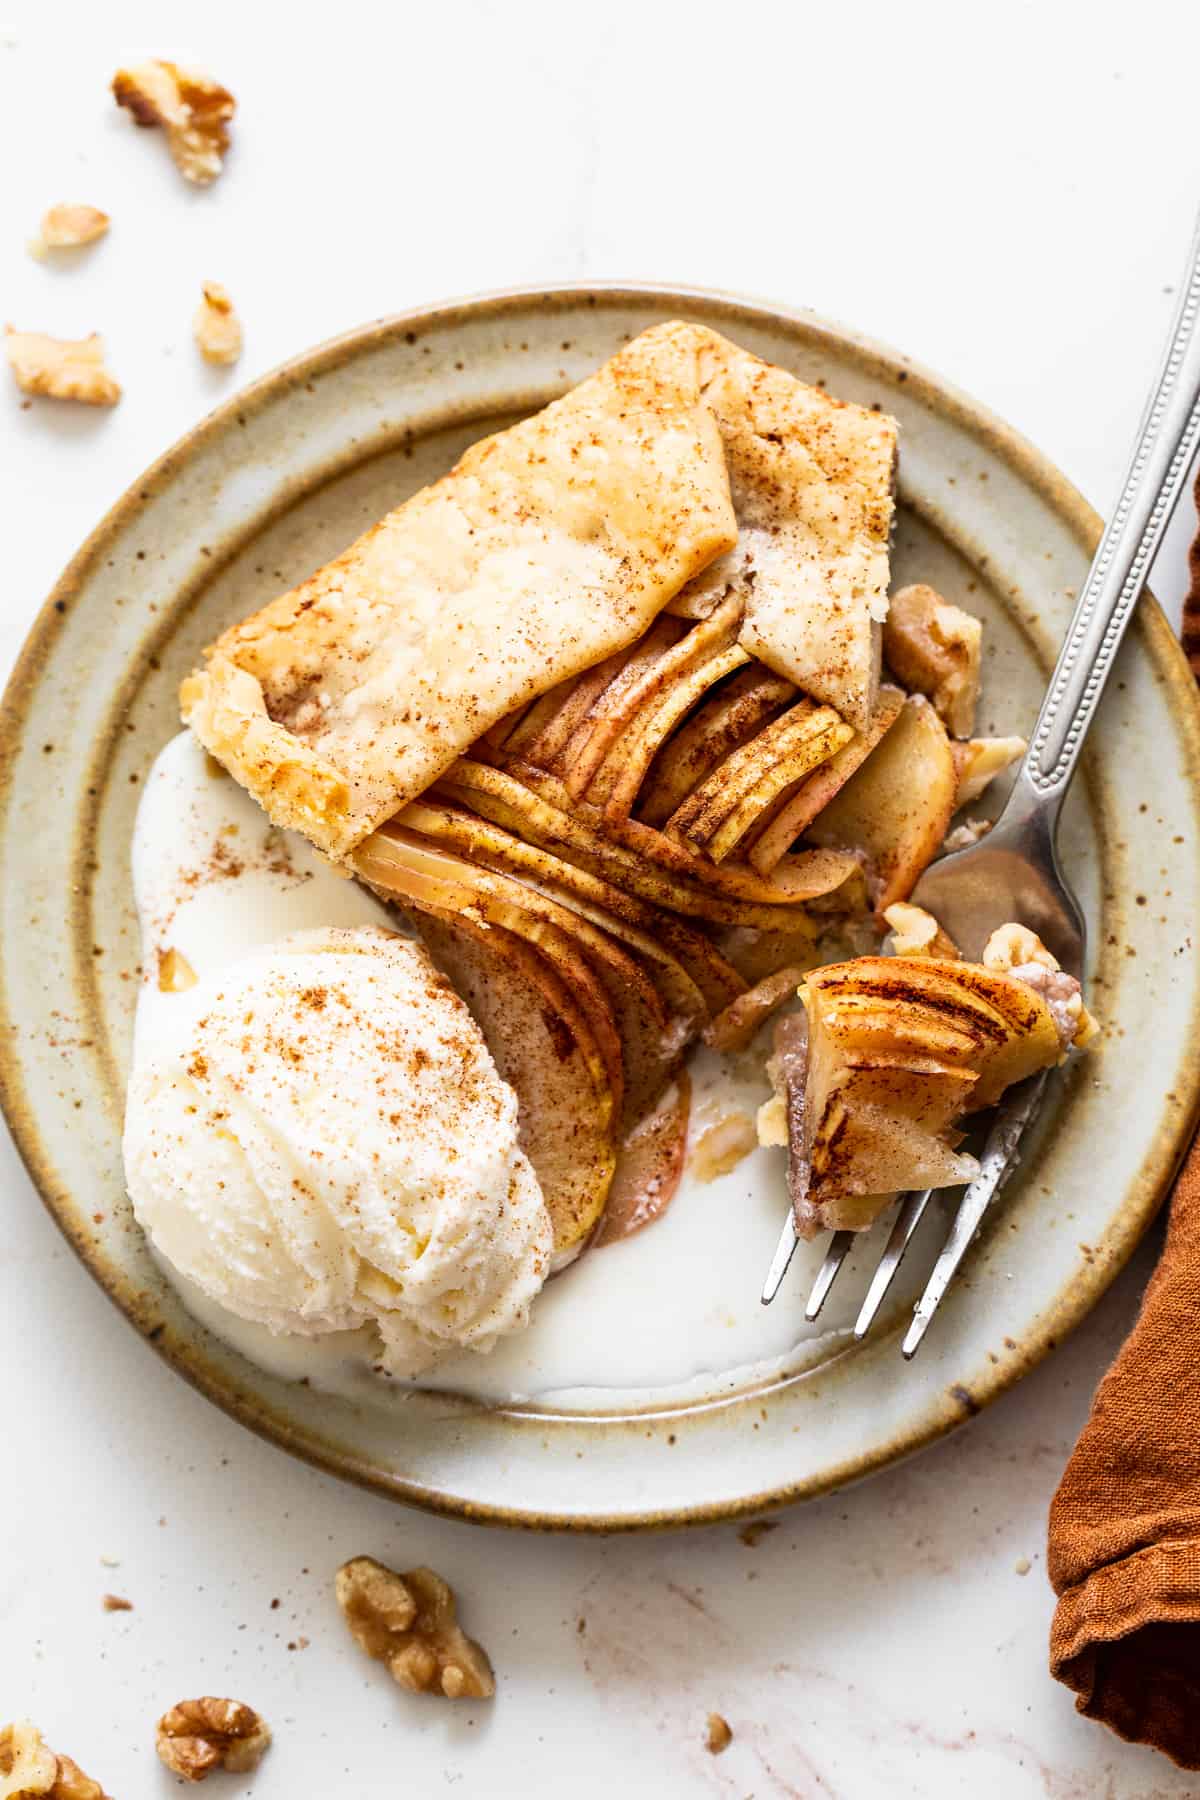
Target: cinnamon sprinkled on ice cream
{"x": 319, "y": 1139}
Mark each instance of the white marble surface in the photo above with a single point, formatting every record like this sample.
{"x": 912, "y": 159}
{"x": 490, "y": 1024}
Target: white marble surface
{"x": 959, "y": 181}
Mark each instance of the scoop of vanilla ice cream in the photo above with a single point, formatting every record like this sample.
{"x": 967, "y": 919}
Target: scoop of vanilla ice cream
{"x": 319, "y": 1139}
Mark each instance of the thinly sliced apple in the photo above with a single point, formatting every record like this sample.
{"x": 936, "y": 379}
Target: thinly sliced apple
{"x": 899, "y": 1049}
{"x": 786, "y": 821}
{"x": 637, "y": 858}
{"x": 733, "y": 1028}
{"x": 585, "y": 749}
{"x": 934, "y": 648}
{"x": 757, "y": 955}
{"x": 617, "y": 781}
{"x": 526, "y": 1019}
{"x": 623, "y": 700}
{"x": 689, "y": 974}
{"x": 776, "y": 783}
{"x": 535, "y": 718}
{"x": 778, "y": 757}
{"x": 897, "y": 807}
{"x": 861, "y": 1156}
{"x": 1010, "y": 1026}
{"x": 649, "y": 1166}
{"x": 719, "y": 727}
{"x": 496, "y": 734}
{"x": 624, "y": 995}
{"x": 544, "y": 748}
{"x": 769, "y": 904}
{"x": 425, "y": 877}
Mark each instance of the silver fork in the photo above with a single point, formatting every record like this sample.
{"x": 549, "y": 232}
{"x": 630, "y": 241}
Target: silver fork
{"x": 1014, "y": 873}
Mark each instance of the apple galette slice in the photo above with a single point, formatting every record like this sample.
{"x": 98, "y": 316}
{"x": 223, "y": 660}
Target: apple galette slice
{"x": 898, "y": 1050}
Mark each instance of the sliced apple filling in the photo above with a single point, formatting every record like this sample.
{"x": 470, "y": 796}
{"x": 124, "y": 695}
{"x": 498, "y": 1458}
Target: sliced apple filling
{"x": 898, "y": 1050}
{"x": 601, "y": 712}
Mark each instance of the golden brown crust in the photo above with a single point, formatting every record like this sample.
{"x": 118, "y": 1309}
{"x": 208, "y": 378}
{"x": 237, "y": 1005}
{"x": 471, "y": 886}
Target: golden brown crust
{"x": 550, "y": 547}
{"x": 812, "y": 481}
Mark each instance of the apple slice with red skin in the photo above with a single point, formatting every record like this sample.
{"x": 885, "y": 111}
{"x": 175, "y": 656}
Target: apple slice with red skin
{"x": 586, "y": 748}
{"x": 404, "y": 870}
{"x": 619, "y": 705}
{"x": 547, "y": 745}
{"x": 691, "y": 976}
{"x": 616, "y": 782}
{"x": 536, "y": 1038}
{"x": 628, "y": 1020}
{"x": 649, "y": 1166}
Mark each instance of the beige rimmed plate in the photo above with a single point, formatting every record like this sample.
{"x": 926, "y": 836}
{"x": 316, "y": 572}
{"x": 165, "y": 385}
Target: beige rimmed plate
{"x": 278, "y": 480}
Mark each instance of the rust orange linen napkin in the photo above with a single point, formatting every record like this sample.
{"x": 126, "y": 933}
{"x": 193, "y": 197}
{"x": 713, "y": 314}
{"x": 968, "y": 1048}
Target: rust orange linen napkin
{"x": 1124, "y": 1538}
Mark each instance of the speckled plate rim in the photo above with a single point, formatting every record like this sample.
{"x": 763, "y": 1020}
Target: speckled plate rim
{"x": 1142, "y": 1196}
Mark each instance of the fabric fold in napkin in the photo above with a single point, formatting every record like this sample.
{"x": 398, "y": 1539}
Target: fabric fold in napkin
{"x": 1124, "y": 1534}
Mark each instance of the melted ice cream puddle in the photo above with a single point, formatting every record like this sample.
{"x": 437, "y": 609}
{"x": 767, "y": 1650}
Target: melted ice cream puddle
{"x": 672, "y": 1310}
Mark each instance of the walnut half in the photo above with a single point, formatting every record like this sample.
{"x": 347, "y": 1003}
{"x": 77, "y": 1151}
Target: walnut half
{"x": 198, "y": 1736}
{"x": 61, "y": 368}
{"x": 409, "y": 1622}
{"x": 29, "y": 1769}
{"x": 192, "y": 110}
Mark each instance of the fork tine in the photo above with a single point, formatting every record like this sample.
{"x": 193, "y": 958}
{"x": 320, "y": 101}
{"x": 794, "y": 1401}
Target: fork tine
{"x": 912, "y": 1211}
{"x": 839, "y": 1249}
{"x": 784, "y": 1252}
{"x": 999, "y": 1157}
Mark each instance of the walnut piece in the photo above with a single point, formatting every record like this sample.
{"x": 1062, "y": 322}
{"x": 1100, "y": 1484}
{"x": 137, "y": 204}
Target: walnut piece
{"x": 217, "y": 328}
{"x": 192, "y": 110}
{"x": 934, "y": 648}
{"x": 61, "y": 368}
{"x": 29, "y": 1769}
{"x": 408, "y": 1621}
{"x": 717, "y": 1734}
{"x": 68, "y": 227}
{"x": 966, "y": 834}
{"x": 198, "y": 1736}
{"x": 916, "y": 932}
{"x": 978, "y": 760}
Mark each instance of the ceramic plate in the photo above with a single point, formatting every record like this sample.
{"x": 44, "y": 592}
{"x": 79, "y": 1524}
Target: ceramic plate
{"x": 277, "y": 481}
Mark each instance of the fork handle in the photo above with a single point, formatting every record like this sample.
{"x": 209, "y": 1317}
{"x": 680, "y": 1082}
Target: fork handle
{"x": 1166, "y": 443}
